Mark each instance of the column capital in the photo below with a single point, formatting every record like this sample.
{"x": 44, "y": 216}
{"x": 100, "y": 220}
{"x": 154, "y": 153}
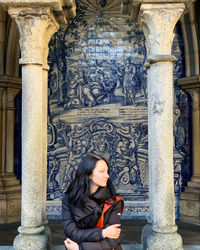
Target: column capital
{"x": 11, "y": 94}
{"x": 51, "y": 29}
{"x": 158, "y": 21}
{"x": 132, "y": 7}
{"x": 34, "y": 24}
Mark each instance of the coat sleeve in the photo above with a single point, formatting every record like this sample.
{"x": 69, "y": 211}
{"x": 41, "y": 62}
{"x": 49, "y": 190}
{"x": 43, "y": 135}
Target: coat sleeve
{"x": 106, "y": 244}
{"x": 72, "y": 231}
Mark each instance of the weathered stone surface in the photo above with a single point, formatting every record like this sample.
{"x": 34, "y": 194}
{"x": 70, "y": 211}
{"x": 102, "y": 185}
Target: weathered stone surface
{"x": 132, "y": 7}
{"x": 34, "y": 20}
{"x": 10, "y": 189}
{"x": 62, "y": 9}
{"x": 190, "y": 198}
{"x": 10, "y": 198}
{"x": 158, "y": 241}
{"x": 190, "y": 203}
{"x": 31, "y": 22}
{"x": 158, "y": 21}
{"x": 32, "y": 242}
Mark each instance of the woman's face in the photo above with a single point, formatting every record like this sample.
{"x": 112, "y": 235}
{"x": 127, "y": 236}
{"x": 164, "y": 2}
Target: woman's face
{"x": 99, "y": 176}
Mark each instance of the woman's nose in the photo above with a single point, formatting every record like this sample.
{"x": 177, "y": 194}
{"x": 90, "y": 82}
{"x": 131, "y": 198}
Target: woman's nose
{"x": 106, "y": 175}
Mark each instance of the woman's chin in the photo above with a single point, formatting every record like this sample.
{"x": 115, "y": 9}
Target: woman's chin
{"x": 104, "y": 184}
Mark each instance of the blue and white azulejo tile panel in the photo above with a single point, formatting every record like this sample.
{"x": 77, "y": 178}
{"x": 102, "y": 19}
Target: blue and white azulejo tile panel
{"x": 98, "y": 103}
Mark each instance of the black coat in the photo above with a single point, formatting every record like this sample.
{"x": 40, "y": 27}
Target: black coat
{"x": 79, "y": 223}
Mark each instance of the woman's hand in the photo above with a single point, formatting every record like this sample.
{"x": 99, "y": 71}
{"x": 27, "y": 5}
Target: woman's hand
{"x": 112, "y": 232}
{"x": 71, "y": 245}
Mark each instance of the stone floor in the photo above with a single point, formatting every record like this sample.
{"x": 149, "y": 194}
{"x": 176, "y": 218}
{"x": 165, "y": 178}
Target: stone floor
{"x": 130, "y": 236}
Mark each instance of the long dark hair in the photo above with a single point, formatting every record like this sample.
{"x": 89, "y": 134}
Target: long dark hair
{"x": 79, "y": 189}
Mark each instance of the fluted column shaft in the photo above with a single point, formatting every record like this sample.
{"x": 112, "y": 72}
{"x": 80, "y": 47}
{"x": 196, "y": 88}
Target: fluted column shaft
{"x": 158, "y": 22}
{"x": 34, "y": 24}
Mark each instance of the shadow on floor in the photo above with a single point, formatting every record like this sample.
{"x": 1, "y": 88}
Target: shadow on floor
{"x": 131, "y": 232}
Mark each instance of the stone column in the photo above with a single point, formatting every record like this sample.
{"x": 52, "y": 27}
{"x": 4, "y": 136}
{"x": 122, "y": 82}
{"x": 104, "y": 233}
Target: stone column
{"x": 196, "y": 135}
{"x": 10, "y": 189}
{"x": 33, "y": 24}
{"x": 190, "y": 198}
{"x": 3, "y": 128}
{"x": 47, "y": 231}
{"x": 158, "y": 22}
{"x": 2, "y": 39}
{"x": 51, "y": 30}
{"x": 11, "y": 93}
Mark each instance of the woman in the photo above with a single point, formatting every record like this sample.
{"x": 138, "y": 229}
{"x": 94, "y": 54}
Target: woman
{"x": 90, "y": 208}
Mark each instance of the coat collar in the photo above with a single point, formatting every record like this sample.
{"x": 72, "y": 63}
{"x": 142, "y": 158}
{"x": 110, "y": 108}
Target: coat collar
{"x": 101, "y": 195}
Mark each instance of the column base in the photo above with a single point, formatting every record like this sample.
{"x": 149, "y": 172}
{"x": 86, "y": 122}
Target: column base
{"x": 31, "y": 239}
{"x": 190, "y": 203}
{"x": 155, "y": 241}
{"x": 10, "y": 198}
{"x": 47, "y": 233}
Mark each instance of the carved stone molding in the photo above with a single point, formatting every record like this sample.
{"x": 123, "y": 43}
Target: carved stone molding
{"x": 11, "y": 94}
{"x": 33, "y": 23}
{"x": 132, "y": 7}
{"x": 62, "y": 10}
{"x": 52, "y": 27}
{"x": 158, "y": 22}
{"x": 192, "y": 86}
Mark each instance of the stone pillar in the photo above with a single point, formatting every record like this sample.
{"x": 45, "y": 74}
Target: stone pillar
{"x": 10, "y": 189}
{"x": 190, "y": 198}
{"x": 2, "y": 39}
{"x": 47, "y": 231}
{"x": 51, "y": 29}
{"x": 33, "y": 25}
{"x": 195, "y": 135}
{"x": 158, "y": 22}
{"x": 11, "y": 93}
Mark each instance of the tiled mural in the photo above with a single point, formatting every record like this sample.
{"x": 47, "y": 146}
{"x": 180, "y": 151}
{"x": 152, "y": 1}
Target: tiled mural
{"x": 98, "y": 103}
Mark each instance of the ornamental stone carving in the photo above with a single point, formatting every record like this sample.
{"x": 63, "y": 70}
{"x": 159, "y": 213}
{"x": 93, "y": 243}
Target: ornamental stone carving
{"x": 158, "y": 23}
{"x": 33, "y": 25}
